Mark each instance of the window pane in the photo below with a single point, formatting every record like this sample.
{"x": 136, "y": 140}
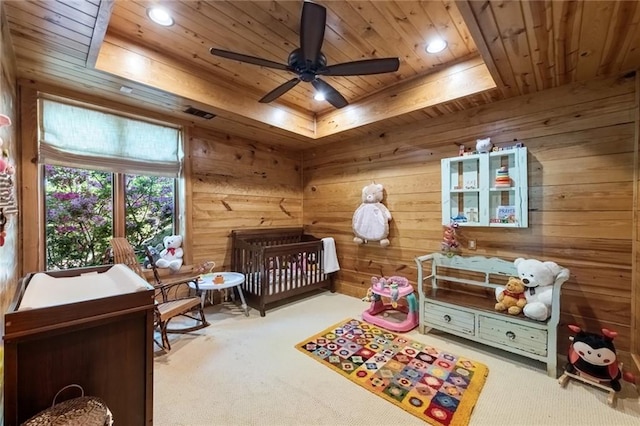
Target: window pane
{"x": 149, "y": 209}
{"x": 78, "y": 216}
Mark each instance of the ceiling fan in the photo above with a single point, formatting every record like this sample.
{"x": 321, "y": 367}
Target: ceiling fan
{"x": 308, "y": 62}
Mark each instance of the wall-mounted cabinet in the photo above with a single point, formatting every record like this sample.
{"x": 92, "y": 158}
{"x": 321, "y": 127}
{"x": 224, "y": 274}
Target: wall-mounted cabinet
{"x": 487, "y": 189}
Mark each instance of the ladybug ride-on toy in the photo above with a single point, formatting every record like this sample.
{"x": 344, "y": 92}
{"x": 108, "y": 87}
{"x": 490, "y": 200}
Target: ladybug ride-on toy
{"x": 592, "y": 360}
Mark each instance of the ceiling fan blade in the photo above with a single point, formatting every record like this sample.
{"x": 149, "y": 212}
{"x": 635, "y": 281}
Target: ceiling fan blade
{"x": 330, "y": 94}
{"x": 279, "y": 91}
{"x": 364, "y": 67}
{"x": 248, "y": 59}
{"x": 312, "y": 23}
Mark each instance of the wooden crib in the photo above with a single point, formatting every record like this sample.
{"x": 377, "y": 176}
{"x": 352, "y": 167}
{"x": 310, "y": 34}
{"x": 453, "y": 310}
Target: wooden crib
{"x": 278, "y": 263}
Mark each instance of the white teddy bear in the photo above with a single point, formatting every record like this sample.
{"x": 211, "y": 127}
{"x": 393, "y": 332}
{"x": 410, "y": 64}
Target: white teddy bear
{"x": 371, "y": 219}
{"x": 483, "y": 145}
{"x": 171, "y": 256}
{"x": 538, "y": 278}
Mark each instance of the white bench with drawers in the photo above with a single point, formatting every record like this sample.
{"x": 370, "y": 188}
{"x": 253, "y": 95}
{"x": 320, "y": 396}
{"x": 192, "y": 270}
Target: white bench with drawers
{"x": 457, "y": 296}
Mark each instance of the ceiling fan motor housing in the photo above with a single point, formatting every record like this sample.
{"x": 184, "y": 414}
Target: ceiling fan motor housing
{"x": 306, "y": 71}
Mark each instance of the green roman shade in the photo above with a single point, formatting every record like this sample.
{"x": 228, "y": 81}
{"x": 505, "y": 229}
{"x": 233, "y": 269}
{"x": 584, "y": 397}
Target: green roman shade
{"x": 74, "y": 136}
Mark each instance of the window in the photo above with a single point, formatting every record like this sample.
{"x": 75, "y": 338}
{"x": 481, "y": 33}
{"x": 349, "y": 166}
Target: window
{"x": 99, "y": 182}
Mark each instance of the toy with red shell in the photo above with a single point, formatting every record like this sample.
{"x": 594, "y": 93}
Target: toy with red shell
{"x": 592, "y": 356}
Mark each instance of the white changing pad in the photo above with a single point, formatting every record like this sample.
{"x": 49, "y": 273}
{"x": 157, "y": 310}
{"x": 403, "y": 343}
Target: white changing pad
{"x": 44, "y": 290}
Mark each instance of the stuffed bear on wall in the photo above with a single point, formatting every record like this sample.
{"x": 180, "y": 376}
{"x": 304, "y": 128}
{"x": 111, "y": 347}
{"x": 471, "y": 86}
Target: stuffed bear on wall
{"x": 539, "y": 278}
{"x": 371, "y": 219}
{"x": 171, "y": 256}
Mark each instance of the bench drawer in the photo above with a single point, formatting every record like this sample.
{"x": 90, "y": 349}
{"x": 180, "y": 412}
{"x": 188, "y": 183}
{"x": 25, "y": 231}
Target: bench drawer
{"x": 513, "y": 335}
{"x": 446, "y": 318}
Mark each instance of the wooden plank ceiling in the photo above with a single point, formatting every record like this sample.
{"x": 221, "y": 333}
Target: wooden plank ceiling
{"x": 93, "y": 48}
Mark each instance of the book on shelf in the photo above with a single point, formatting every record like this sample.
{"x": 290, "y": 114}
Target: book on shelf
{"x": 506, "y": 214}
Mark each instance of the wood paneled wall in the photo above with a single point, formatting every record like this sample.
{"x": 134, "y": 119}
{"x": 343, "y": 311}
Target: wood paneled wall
{"x": 635, "y": 341}
{"x": 237, "y": 183}
{"x": 582, "y": 164}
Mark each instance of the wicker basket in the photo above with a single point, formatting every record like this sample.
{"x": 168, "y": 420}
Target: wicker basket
{"x": 81, "y": 411}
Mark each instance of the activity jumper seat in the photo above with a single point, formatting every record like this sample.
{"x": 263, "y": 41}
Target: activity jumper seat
{"x": 393, "y": 288}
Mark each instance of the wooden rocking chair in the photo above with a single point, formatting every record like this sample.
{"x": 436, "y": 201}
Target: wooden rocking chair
{"x": 172, "y": 298}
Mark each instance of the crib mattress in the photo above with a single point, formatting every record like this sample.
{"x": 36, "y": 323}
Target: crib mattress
{"x": 281, "y": 282}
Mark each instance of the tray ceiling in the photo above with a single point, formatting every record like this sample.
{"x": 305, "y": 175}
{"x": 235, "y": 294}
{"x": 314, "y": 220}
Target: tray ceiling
{"x": 495, "y": 50}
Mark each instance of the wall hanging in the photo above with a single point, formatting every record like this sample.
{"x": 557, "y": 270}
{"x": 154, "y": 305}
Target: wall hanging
{"x": 371, "y": 218}
{"x": 7, "y": 184}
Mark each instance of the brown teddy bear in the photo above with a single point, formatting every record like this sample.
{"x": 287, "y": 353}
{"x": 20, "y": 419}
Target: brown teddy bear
{"x": 512, "y": 299}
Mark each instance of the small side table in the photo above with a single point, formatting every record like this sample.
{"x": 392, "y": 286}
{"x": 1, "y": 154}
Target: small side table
{"x": 231, "y": 279}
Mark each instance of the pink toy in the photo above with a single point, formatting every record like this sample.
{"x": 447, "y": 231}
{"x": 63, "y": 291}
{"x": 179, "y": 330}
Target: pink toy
{"x": 392, "y": 288}
{"x": 450, "y": 245}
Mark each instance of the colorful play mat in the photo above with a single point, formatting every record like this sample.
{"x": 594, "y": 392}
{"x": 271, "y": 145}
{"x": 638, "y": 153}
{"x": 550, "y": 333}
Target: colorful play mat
{"x": 439, "y": 387}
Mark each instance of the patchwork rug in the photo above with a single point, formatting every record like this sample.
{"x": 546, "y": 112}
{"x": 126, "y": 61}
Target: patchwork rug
{"x": 439, "y": 387}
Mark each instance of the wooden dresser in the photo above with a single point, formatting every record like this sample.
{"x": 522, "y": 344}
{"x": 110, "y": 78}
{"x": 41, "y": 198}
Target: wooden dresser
{"x": 105, "y": 345}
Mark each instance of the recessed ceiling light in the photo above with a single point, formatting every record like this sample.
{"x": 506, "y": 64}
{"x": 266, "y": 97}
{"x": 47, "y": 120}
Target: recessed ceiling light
{"x": 436, "y": 46}
{"x": 319, "y": 96}
{"x": 126, "y": 89}
{"x": 160, "y": 16}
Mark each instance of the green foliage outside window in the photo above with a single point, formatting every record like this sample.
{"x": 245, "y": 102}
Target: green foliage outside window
{"x": 79, "y": 214}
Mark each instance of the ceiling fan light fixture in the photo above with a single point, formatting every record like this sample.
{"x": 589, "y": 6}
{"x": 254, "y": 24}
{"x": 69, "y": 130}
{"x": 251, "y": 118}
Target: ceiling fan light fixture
{"x": 436, "y": 46}
{"x": 319, "y": 96}
{"x": 160, "y": 16}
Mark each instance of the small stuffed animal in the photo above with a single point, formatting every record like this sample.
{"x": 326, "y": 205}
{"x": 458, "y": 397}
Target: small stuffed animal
{"x": 171, "y": 256}
{"x": 368, "y": 296}
{"x": 371, "y": 219}
{"x": 483, "y": 145}
{"x": 512, "y": 299}
{"x": 155, "y": 255}
{"x": 450, "y": 245}
{"x": 538, "y": 278}
{"x": 594, "y": 355}
{"x": 5, "y": 167}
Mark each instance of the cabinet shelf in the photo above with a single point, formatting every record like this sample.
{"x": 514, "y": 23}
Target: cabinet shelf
{"x": 471, "y": 197}
{"x": 460, "y": 191}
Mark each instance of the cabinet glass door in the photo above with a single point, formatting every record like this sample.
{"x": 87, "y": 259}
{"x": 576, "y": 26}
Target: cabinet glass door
{"x": 462, "y": 200}
{"x": 488, "y": 189}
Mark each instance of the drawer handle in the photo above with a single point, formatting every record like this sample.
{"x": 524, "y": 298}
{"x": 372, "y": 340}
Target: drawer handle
{"x": 511, "y": 335}
{"x": 447, "y": 318}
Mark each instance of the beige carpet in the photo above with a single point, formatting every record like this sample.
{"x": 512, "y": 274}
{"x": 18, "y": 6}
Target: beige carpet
{"x": 246, "y": 371}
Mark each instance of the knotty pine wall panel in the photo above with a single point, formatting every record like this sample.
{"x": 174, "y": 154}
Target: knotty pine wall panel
{"x": 581, "y": 142}
{"x": 238, "y": 183}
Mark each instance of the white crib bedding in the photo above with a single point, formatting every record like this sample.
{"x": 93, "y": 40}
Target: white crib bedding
{"x": 44, "y": 290}
{"x": 278, "y": 285}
